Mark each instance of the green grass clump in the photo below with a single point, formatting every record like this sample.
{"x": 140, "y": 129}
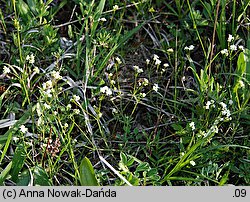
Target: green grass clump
{"x": 123, "y": 93}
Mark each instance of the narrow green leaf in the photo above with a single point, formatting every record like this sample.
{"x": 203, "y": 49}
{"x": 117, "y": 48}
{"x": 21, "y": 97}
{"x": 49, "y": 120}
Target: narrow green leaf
{"x": 18, "y": 161}
{"x": 5, "y": 173}
{"x": 8, "y": 135}
{"x": 87, "y": 174}
{"x": 115, "y": 47}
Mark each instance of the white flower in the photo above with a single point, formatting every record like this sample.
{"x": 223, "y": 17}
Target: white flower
{"x": 103, "y": 89}
{"x": 224, "y": 52}
{"x": 66, "y": 125}
{"x": 76, "y": 98}
{"x": 192, "y": 125}
{"x": 46, "y": 106}
{"x": 143, "y": 94}
{"x": 155, "y": 87}
{"x": 192, "y": 163}
{"x": 230, "y": 38}
{"x": 56, "y": 75}
{"x": 48, "y": 93}
{"x": 155, "y": 57}
{"x": 157, "y": 62}
{"x": 191, "y": 47}
{"x": 55, "y": 113}
{"x": 68, "y": 107}
{"x": 30, "y": 58}
{"x": 109, "y": 92}
{"x": 223, "y": 105}
{"x": 36, "y": 70}
{"x": 226, "y": 112}
{"x": 242, "y": 85}
{"x": 170, "y": 50}
{"x": 44, "y": 86}
{"x": 241, "y": 47}
{"x": 49, "y": 84}
{"x": 112, "y": 82}
{"x": 137, "y": 69}
{"x": 147, "y": 61}
{"x": 114, "y": 110}
{"x": 233, "y": 47}
{"x": 214, "y": 129}
{"x": 166, "y": 65}
{"x": 76, "y": 111}
{"x": 145, "y": 82}
{"x": 6, "y": 70}
{"x": 23, "y": 129}
{"x": 208, "y": 105}
{"x": 115, "y": 8}
{"x": 230, "y": 102}
{"x": 103, "y": 19}
{"x": 99, "y": 115}
{"x": 106, "y": 90}
{"x": 40, "y": 121}
{"x": 118, "y": 60}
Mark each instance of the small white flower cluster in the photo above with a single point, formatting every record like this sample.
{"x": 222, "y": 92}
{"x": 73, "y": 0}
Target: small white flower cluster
{"x": 106, "y": 90}
{"x": 48, "y": 88}
{"x": 56, "y": 75}
{"x": 192, "y": 125}
{"x": 30, "y": 58}
{"x": 143, "y": 94}
{"x": 232, "y": 47}
{"x": 156, "y": 59}
{"x": 137, "y": 69}
{"x": 225, "y": 112}
{"x": 75, "y": 98}
{"x": 6, "y": 70}
{"x": 210, "y": 103}
{"x": 102, "y": 19}
{"x": 115, "y": 8}
{"x": 224, "y": 52}
{"x": 118, "y": 60}
{"x": 155, "y": 87}
{"x": 23, "y": 129}
{"x": 189, "y": 48}
{"x": 36, "y": 70}
{"x": 170, "y": 50}
{"x": 76, "y": 111}
{"x": 143, "y": 82}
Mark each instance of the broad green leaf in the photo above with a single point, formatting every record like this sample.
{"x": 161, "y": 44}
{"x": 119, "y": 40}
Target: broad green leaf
{"x": 241, "y": 65}
{"x": 142, "y": 167}
{"x": 5, "y": 173}
{"x": 18, "y": 162}
{"x": 34, "y": 6}
{"x": 41, "y": 177}
{"x": 24, "y": 10}
{"x": 176, "y": 127}
{"x": 247, "y": 59}
{"x": 87, "y": 174}
{"x": 224, "y": 179}
{"x": 24, "y": 178}
{"x": 123, "y": 158}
